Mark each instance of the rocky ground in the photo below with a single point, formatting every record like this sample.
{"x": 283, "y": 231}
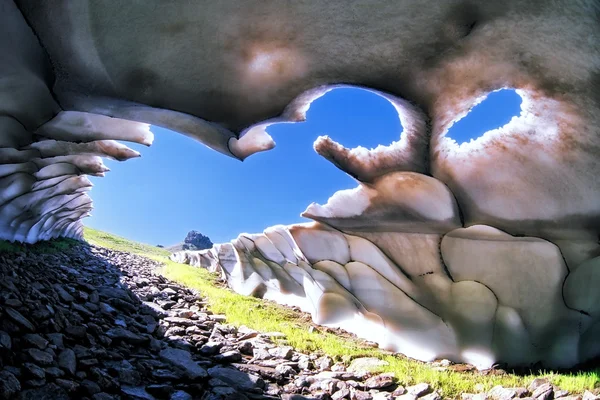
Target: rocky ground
{"x": 91, "y": 323}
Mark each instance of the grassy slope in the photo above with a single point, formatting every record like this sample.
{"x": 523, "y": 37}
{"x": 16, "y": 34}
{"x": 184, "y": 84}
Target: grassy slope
{"x": 268, "y": 317}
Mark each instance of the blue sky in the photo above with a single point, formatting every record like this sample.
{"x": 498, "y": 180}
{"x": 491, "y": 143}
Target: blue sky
{"x": 179, "y": 184}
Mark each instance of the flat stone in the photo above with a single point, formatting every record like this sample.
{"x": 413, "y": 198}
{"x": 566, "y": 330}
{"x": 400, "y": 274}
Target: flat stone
{"x": 107, "y": 309}
{"x": 180, "y": 395}
{"x": 419, "y": 389}
{"x": 36, "y": 340}
{"x": 5, "y": 340}
{"x": 381, "y": 381}
{"x": 9, "y": 385}
{"x": 228, "y": 356}
{"x": 537, "y": 382}
{"x": 211, "y": 348}
{"x": 81, "y": 309}
{"x": 114, "y": 293}
{"x": 285, "y": 370}
{"x": 76, "y": 331}
{"x": 543, "y": 392}
{"x": 183, "y": 359}
{"x": 33, "y": 371}
{"x": 125, "y": 335}
{"x": 137, "y": 393}
{"x": 68, "y": 361}
{"x": 160, "y": 390}
{"x": 63, "y": 294}
{"x": 56, "y": 339}
{"x": 40, "y": 357}
{"x": 502, "y": 393}
{"x": 19, "y": 319}
{"x": 90, "y": 387}
{"x": 239, "y": 380}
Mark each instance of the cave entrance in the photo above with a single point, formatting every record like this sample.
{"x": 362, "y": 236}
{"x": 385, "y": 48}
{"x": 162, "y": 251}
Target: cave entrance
{"x": 494, "y": 111}
{"x": 180, "y": 185}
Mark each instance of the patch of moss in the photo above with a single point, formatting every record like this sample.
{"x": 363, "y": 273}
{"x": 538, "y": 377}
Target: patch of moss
{"x": 43, "y": 247}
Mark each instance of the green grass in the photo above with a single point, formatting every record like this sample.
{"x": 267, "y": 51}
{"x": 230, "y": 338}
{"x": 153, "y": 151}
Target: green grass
{"x": 269, "y": 317}
{"x": 44, "y": 247}
{"x": 114, "y": 242}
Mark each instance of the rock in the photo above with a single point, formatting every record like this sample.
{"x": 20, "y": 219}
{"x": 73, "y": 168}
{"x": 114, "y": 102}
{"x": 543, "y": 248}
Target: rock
{"x": 123, "y": 334}
{"x": 68, "y": 385}
{"x": 137, "y": 393}
{"x": 237, "y": 379}
{"x": 432, "y": 396}
{"x": 50, "y": 391}
{"x": 62, "y": 293}
{"x": 229, "y": 356}
{"x": 323, "y": 363}
{"x": 33, "y": 371}
{"x": 160, "y": 390}
{"x": 9, "y": 385}
{"x": 183, "y": 359}
{"x": 40, "y": 357}
{"x": 54, "y": 372}
{"x": 5, "y": 340}
{"x": 544, "y": 391}
{"x": 90, "y": 387}
{"x": 368, "y": 364}
{"x": 246, "y": 348}
{"x": 180, "y": 395}
{"x": 385, "y": 380}
{"x": 36, "y": 340}
{"x": 304, "y": 363}
{"x": 284, "y": 370}
{"x": 194, "y": 240}
{"x": 217, "y": 318}
{"x": 419, "y": 389}
{"x": 56, "y": 339}
{"x": 285, "y": 352}
{"x": 109, "y": 293}
{"x": 502, "y": 393}
{"x": 587, "y": 395}
{"x": 68, "y": 361}
{"x": 153, "y": 309}
{"x": 166, "y": 375}
{"x": 78, "y": 332}
{"x": 127, "y": 375}
{"x": 19, "y": 319}
{"x": 340, "y": 394}
{"x": 382, "y": 396}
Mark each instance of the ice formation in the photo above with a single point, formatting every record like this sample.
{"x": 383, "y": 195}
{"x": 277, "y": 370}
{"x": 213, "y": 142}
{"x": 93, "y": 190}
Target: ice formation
{"x": 484, "y": 252}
